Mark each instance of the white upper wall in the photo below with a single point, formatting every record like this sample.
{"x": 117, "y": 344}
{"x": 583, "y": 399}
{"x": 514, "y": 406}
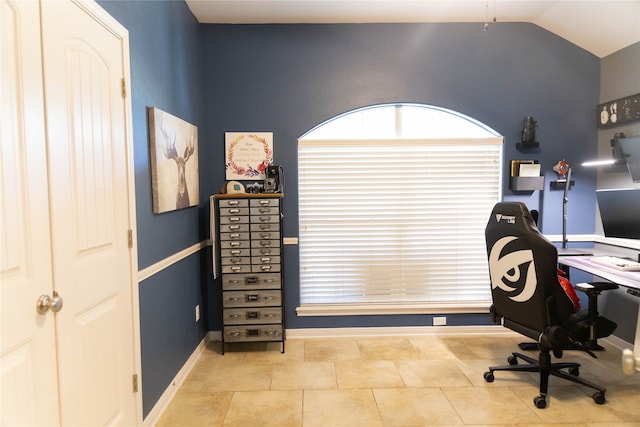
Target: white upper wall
{"x": 601, "y": 27}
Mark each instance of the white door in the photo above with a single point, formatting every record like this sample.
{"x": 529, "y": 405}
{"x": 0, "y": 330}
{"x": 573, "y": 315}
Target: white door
{"x": 65, "y": 219}
{"x": 28, "y": 386}
{"x": 87, "y": 151}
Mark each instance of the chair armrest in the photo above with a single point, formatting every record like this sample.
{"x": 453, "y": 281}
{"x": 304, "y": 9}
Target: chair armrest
{"x": 595, "y": 287}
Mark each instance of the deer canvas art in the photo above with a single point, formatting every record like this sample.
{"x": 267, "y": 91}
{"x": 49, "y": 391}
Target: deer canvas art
{"x": 174, "y": 161}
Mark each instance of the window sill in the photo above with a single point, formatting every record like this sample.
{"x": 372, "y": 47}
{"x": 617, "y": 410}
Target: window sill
{"x": 388, "y": 309}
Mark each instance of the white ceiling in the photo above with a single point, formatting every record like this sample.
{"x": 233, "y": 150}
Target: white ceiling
{"x": 599, "y": 26}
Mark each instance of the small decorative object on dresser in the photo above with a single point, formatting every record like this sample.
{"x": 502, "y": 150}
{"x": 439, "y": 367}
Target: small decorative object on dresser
{"x": 250, "y": 248}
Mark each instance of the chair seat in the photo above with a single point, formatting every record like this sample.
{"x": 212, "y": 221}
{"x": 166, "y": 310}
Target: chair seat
{"x": 578, "y": 328}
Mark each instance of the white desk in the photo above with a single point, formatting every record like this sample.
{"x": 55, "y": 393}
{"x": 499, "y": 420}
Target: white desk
{"x": 628, "y": 279}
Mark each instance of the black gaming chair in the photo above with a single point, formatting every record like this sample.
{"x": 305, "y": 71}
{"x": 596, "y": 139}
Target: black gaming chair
{"x": 528, "y": 299}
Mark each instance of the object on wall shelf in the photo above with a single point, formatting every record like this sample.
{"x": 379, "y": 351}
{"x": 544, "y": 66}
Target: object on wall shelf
{"x": 619, "y": 111}
{"x": 528, "y": 134}
{"x": 525, "y": 176}
{"x": 563, "y": 170}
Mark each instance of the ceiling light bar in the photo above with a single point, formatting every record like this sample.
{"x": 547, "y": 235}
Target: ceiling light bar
{"x": 599, "y": 163}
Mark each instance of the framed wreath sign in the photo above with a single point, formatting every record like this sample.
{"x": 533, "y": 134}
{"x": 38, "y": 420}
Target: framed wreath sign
{"x": 247, "y": 155}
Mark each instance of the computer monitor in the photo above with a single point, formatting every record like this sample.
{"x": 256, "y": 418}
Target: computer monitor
{"x": 620, "y": 212}
{"x": 630, "y": 148}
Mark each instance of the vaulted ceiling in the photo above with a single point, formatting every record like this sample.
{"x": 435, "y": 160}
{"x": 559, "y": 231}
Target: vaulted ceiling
{"x": 601, "y": 27}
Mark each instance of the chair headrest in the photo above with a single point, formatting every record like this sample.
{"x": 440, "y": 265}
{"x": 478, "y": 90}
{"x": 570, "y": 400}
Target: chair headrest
{"x": 510, "y": 212}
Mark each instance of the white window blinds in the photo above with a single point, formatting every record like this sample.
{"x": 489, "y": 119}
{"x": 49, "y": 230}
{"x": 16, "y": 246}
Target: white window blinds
{"x": 396, "y": 221}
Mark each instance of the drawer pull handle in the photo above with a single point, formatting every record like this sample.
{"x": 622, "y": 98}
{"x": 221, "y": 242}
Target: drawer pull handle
{"x": 236, "y": 252}
{"x": 265, "y": 267}
{"x": 234, "y": 202}
{"x": 236, "y": 268}
{"x": 234, "y": 219}
{"x": 234, "y": 282}
{"x": 234, "y": 211}
{"x": 236, "y": 260}
{"x": 234, "y": 227}
{"x": 265, "y": 202}
{"x": 234, "y": 334}
{"x": 265, "y": 243}
{"x": 234, "y": 316}
{"x": 265, "y": 251}
{"x": 265, "y": 235}
{"x": 265, "y": 259}
{"x": 272, "y": 333}
{"x": 264, "y": 219}
{"x": 234, "y": 244}
{"x": 264, "y": 210}
{"x": 234, "y": 235}
{"x": 233, "y": 299}
{"x": 265, "y": 226}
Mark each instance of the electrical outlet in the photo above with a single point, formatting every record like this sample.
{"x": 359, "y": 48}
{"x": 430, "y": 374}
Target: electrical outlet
{"x": 440, "y": 321}
{"x": 197, "y": 312}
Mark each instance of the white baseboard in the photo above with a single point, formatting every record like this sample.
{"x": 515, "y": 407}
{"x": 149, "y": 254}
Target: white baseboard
{"x": 397, "y": 331}
{"x": 161, "y": 405}
{"x": 616, "y": 342}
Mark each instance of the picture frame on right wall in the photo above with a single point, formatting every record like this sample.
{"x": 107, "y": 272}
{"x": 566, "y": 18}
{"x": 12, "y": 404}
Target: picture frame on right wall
{"x": 619, "y": 111}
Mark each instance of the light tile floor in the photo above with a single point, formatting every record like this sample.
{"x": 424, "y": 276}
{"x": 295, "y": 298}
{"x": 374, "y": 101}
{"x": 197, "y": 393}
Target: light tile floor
{"x": 393, "y": 381}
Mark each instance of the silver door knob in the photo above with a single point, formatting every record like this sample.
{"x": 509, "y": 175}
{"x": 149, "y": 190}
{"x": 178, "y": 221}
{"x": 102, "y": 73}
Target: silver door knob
{"x": 46, "y": 303}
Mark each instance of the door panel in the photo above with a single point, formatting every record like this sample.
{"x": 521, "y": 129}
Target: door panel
{"x": 27, "y": 354}
{"x": 89, "y": 216}
{"x": 92, "y": 163}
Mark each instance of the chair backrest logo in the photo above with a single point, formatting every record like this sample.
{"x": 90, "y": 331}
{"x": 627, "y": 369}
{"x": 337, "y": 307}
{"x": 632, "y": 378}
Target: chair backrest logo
{"x": 509, "y": 218}
{"x": 505, "y": 270}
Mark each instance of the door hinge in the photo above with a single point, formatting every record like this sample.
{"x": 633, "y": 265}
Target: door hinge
{"x": 130, "y": 238}
{"x": 135, "y": 383}
{"x": 124, "y": 88}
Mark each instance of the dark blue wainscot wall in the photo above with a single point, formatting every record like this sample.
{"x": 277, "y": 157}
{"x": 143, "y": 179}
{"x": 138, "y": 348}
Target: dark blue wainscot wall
{"x": 165, "y": 48}
{"x": 286, "y": 79}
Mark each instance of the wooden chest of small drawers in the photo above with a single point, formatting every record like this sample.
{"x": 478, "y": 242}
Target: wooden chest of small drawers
{"x": 250, "y": 251}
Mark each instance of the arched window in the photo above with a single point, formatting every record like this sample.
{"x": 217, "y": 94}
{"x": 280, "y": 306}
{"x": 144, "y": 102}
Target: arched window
{"x": 393, "y": 201}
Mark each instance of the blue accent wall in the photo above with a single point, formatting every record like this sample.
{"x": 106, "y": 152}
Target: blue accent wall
{"x": 169, "y": 334}
{"x": 166, "y": 72}
{"x": 287, "y": 79}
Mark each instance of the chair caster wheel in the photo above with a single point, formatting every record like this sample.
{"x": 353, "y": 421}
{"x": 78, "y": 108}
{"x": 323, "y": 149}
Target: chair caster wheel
{"x": 575, "y": 371}
{"x": 488, "y": 376}
{"x": 599, "y": 398}
{"x": 540, "y": 402}
{"x": 513, "y": 360}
